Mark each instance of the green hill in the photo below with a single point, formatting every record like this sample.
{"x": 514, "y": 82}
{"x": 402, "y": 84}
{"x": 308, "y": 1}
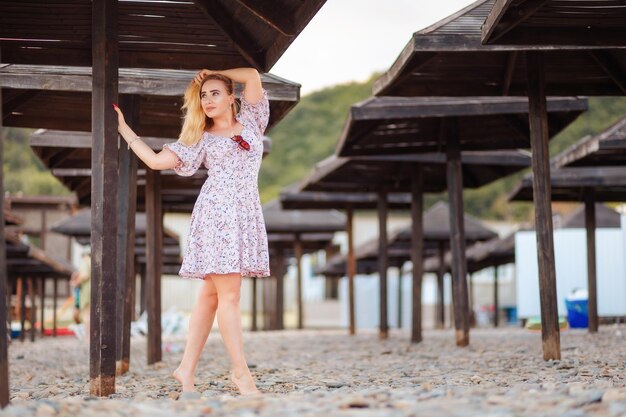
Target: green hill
{"x": 308, "y": 134}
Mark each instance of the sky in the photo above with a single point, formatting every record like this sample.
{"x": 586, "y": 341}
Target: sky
{"x": 348, "y": 40}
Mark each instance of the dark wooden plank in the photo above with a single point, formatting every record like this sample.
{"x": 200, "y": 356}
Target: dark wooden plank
{"x": 4, "y": 294}
{"x": 102, "y": 335}
{"x": 383, "y": 263}
{"x": 55, "y": 295}
{"x": 441, "y": 270}
{"x": 127, "y": 204}
{"x": 454, "y": 175}
{"x": 496, "y": 304}
{"x": 154, "y": 253}
{"x": 41, "y": 288}
{"x": 538, "y": 121}
{"x": 22, "y": 302}
{"x": 611, "y": 67}
{"x": 590, "y": 227}
{"x": 32, "y": 317}
{"x": 417, "y": 254}
{"x": 297, "y": 248}
{"x": 351, "y": 268}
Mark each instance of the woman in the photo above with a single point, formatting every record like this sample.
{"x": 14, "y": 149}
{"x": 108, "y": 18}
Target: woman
{"x": 227, "y": 238}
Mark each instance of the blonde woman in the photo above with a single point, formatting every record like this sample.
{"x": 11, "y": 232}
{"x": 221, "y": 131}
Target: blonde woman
{"x": 227, "y": 238}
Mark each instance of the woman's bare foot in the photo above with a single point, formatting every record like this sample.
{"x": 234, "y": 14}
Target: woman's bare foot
{"x": 244, "y": 382}
{"x": 185, "y": 378}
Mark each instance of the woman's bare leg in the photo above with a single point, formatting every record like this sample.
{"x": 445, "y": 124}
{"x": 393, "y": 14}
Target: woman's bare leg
{"x": 229, "y": 319}
{"x": 200, "y": 325}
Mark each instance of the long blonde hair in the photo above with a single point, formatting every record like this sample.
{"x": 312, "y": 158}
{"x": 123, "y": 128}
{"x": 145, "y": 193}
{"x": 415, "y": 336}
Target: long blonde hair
{"x": 195, "y": 121}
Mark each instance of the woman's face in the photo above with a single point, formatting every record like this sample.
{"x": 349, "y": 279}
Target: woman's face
{"x": 214, "y": 99}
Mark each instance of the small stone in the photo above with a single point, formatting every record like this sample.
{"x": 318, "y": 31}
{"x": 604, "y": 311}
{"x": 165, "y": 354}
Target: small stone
{"x": 476, "y": 379}
{"x": 334, "y": 384}
{"x": 189, "y": 396}
{"x": 173, "y": 395}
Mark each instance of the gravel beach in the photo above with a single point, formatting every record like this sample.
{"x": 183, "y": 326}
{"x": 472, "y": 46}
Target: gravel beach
{"x": 329, "y": 373}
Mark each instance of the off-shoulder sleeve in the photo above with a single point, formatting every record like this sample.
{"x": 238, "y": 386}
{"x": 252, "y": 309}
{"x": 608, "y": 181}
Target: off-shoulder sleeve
{"x": 259, "y": 113}
{"x": 189, "y": 157}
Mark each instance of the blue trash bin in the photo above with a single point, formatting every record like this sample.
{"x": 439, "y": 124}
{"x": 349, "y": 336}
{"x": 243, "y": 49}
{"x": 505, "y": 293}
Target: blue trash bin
{"x": 577, "y": 311}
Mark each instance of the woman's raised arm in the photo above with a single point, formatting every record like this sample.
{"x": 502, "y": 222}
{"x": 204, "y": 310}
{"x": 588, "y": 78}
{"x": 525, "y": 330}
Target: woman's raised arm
{"x": 249, "y": 77}
{"x": 157, "y": 161}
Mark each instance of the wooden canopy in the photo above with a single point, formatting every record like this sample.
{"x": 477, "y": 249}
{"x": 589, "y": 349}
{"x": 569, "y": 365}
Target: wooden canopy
{"x": 26, "y": 260}
{"x": 449, "y": 59}
{"x": 309, "y": 200}
{"x": 175, "y": 34}
{"x": 60, "y": 97}
{"x": 575, "y": 184}
{"x": 387, "y": 125}
{"x": 278, "y": 220}
{"x": 605, "y": 217}
{"x": 556, "y": 22}
{"x": 283, "y": 243}
{"x": 607, "y": 148}
{"x": 396, "y": 172}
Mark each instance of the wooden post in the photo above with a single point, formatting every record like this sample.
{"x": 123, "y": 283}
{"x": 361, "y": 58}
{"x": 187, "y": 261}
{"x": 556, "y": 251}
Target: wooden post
{"x": 22, "y": 296}
{"x": 454, "y": 175}
{"x": 127, "y": 205}
{"x": 470, "y": 295}
{"x": 41, "y": 289}
{"x": 298, "y": 252}
{"x": 102, "y": 335}
{"x": 154, "y": 254}
{"x": 417, "y": 252}
{"x": 441, "y": 301}
{"x": 351, "y": 268}
{"x": 280, "y": 289}
{"x": 142, "y": 289}
{"x": 399, "y": 297}
{"x": 590, "y": 226}
{"x": 253, "y": 313}
{"x": 32, "y": 317}
{"x": 4, "y": 344}
{"x": 538, "y": 121}
{"x": 55, "y": 294}
{"x": 496, "y": 306}
{"x": 383, "y": 262}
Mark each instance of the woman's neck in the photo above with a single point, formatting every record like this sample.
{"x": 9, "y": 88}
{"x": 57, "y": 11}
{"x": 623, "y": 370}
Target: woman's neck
{"x": 224, "y": 122}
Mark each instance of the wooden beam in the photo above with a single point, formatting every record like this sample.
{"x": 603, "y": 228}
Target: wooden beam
{"x": 127, "y": 205}
{"x": 351, "y": 268}
{"x": 216, "y": 11}
{"x": 272, "y": 15}
{"x": 590, "y": 227}
{"x": 441, "y": 306}
{"x": 55, "y": 295}
{"x": 280, "y": 289}
{"x": 496, "y": 304}
{"x": 4, "y": 344}
{"x": 417, "y": 253}
{"x": 21, "y": 295}
{"x": 154, "y": 257}
{"x": 32, "y": 317}
{"x": 454, "y": 176}
{"x": 538, "y": 121}
{"x": 611, "y": 67}
{"x": 383, "y": 262}
{"x": 104, "y": 198}
{"x": 41, "y": 289}
{"x": 297, "y": 247}
{"x": 399, "y": 312}
{"x": 508, "y": 72}
{"x": 503, "y": 20}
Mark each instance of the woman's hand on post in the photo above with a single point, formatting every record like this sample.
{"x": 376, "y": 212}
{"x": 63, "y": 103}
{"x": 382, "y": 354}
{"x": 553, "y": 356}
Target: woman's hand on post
{"x": 201, "y": 74}
{"x": 120, "y": 117}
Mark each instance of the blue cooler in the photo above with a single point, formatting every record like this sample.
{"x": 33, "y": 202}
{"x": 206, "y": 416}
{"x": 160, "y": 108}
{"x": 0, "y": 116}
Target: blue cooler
{"x": 577, "y": 309}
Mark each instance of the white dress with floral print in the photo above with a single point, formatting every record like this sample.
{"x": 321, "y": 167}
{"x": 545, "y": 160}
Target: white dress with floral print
{"x": 227, "y": 233}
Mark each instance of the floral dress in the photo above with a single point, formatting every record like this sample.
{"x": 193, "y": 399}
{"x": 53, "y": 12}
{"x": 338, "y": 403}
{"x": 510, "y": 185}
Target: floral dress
{"x": 227, "y": 232}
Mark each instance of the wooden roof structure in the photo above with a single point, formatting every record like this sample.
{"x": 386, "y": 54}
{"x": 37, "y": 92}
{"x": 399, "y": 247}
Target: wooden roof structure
{"x": 391, "y": 125}
{"x": 315, "y": 200}
{"x": 556, "y": 22}
{"x": 55, "y": 97}
{"x": 574, "y": 184}
{"x": 311, "y": 242}
{"x": 24, "y": 260}
{"x": 278, "y": 220}
{"x": 449, "y": 59}
{"x": 396, "y": 172}
{"x": 605, "y": 217}
{"x": 178, "y": 34}
{"x": 607, "y": 148}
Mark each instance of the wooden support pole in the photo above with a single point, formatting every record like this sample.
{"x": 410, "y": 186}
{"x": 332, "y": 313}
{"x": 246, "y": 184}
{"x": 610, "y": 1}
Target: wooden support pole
{"x": 280, "y": 289}
{"x": 399, "y": 312}
{"x": 470, "y": 295}
{"x": 417, "y": 252}
{"x": 4, "y": 344}
{"x": 32, "y": 317}
{"x": 351, "y": 269}
{"x": 298, "y": 252}
{"x": 22, "y": 296}
{"x": 127, "y": 207}
{"x": 154, "y": 261}
{"x": 55, "y": 294}
{"x": 41, "y": 288}
{"x": 142, "y": 289}
{"x": 254, "y": 309}
{"x": 441, "y": 300}
{"x": 496, "y": 304}
{"x": 105, "y": 59}
{"x": 538, "y": 121}
{"x": 383, "y": 262}
{"x": 590, "y": 226}
{"x": 454, "y": 175}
